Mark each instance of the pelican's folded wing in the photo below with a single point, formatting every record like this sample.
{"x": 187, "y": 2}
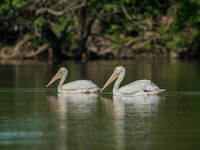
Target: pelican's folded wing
{"x": 80, "y": 86}
{"x": 139, "y": 86}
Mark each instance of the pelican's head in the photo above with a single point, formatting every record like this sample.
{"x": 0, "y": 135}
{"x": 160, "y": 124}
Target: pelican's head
{"x": 118, "y": 71}
{"x": 58, "y": 75}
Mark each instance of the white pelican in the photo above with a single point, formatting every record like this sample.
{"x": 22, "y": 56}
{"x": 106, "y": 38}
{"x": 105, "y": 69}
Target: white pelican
{"x": 139, "y": 87}
{"x": 79, "y": 86}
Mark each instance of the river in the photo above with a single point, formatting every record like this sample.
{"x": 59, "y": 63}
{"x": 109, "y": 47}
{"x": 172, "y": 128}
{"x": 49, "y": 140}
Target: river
{"x": 35, "y": 117}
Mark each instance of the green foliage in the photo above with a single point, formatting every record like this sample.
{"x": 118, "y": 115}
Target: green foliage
{"x": 117, "y": 47}
{"x": 196, "y": 36}
{"x": 184, "y": 30}
{"x": 180, "y": 41}
{"x": 31, "y": 44}
{"x": 147, "y": 46}
{"x": 40, "y": 21}
{"x": 60, "y": 27}
{"x": 108, "y": 8}
{"x": 17, "y": 4}
{"x": 120, "y": 20}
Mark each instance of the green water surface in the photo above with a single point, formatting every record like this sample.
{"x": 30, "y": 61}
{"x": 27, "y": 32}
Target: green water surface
{"x": 35, "y": 117}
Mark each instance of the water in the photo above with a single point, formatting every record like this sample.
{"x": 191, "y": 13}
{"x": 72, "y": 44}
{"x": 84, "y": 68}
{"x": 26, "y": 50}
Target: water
{"x": 35, "y": 117}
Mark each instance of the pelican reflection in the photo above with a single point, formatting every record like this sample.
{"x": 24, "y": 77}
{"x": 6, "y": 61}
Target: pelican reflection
{"x": 72, "y": 113}
{"x": 136, "y": 112}
{"x": 66, "y": 105}
{"x": 142, "y": 106}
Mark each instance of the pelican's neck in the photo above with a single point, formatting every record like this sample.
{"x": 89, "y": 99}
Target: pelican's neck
{"x": 62, "y": 81}
{"x": 117, "y": 83}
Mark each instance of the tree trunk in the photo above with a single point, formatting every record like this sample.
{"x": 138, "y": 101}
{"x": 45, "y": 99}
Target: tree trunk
{"x": 55, "y": 43}
{"x": 80, "y": 47}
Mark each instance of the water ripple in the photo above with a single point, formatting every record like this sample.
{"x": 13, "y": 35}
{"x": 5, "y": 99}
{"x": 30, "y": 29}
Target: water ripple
{"x": 11, "y": 135}
{"x": 13, "y": 90}
{"x": 180, "y": 93}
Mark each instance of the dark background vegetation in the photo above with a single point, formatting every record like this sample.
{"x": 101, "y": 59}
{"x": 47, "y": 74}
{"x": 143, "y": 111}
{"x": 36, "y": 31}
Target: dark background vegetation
{"x": 93, "y": 29}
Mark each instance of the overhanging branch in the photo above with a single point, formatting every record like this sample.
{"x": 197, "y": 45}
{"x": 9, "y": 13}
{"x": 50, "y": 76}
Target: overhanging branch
{"x": 16, "y": 49}
{"x": 39, "y": 50}
{"x": 58, "y": 13}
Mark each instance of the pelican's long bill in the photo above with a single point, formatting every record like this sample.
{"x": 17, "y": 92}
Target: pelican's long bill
{"x": 112, "y": 78}
{"x": 58, "y": 75}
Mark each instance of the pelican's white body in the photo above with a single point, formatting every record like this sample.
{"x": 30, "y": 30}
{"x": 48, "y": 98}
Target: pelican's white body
{"x": 79, "y": 86}
{"x": 137, "y": 88}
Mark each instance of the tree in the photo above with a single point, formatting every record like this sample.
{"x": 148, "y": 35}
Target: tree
{"x": 88, "y": 29}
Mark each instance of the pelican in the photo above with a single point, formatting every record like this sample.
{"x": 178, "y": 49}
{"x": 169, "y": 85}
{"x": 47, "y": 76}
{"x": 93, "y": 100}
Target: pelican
{"x": 79, "y": 86}
{"x": 139, "y": 87}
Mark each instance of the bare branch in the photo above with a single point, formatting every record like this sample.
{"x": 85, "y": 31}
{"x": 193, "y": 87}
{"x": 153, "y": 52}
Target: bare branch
{"x": 107, "y": 38}
{"x": 37, "y": 33}
{"x": 58, "y": 13}
{"x": 100, "y": 16}
{"x": 158, "y": 3}
{"x": 126, "y": 14}
{"x": 16, "y": 48}
{"x": 39, "y": 50}
{"x": 148, "y": 36}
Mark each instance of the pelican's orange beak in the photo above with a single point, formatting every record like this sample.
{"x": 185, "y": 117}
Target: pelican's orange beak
{"x": 58, "y": 75}
{"x": 112, "y": 78}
